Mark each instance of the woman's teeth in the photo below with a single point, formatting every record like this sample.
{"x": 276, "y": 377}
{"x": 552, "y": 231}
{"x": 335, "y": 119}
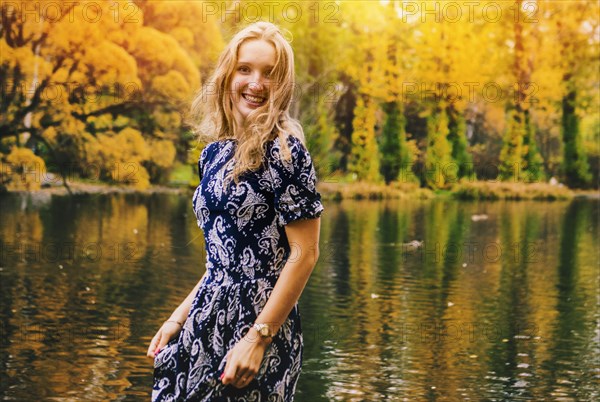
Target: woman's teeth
{"x": 253, "y": 99}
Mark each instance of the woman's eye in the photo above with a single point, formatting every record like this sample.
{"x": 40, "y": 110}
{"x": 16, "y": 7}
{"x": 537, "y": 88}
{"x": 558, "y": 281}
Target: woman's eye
{"x": 243, "y": 69}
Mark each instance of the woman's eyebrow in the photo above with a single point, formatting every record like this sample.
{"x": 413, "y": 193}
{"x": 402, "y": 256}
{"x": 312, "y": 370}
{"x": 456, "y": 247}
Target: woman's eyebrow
{"x": 251, "y": 64}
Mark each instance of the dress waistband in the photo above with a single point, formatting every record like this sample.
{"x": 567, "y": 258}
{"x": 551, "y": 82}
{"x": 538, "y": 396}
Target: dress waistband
{"x": 222, "y": 277}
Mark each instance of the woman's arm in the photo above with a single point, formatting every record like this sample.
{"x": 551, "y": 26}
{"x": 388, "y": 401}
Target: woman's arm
{"x": 172, "y": 326}
{"x": 303, "y": 237}
{"x": 245, "y": 358}
{"x": 180, "y": 314}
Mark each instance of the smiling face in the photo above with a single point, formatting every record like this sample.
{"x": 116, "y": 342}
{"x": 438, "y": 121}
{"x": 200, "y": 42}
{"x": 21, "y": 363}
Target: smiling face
{"x": 251, "y": 80}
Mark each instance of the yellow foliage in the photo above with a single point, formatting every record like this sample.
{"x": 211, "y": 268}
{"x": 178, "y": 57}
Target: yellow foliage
{"x": 172, "y": 86}
{"x": 50, "y": 134}
{"x": 110, "y": 63}
{"x": 162, "y": 153}
{"x": 120, "y": 156}
{"x": 148, "y": 43}
{"x": 132, "y": 173}
{"x": 195, "y": 30}
{"x": 132, "y": 146}
{"x": 103, "y": 121}
{"x": 98, "y": 75}
{"x": 184, "y": 36}
{"x": 22, "y": 170}
{"x": 167, "y": 121}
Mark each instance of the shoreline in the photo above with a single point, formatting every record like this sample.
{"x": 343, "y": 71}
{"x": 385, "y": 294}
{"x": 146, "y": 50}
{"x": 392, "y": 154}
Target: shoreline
{"x": 336, "y": 191}
{"x": 78, "y": 188}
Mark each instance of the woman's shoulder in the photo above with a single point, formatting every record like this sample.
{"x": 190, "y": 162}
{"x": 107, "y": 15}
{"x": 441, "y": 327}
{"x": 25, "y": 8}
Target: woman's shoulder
{"x": 220, "y": 143}
{"x": 215, "y": 146}
{"x": 289, "y": 138}
{"x": 215, "y": 151}
{"x": 294, "y": 144}
{"x": 295, "y": 160}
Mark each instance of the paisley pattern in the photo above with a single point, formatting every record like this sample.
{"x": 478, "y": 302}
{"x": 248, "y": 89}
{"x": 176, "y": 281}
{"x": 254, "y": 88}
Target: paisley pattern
{"x": 247, "y": 248}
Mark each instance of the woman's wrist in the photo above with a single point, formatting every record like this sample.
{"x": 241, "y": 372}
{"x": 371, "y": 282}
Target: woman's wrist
{"x": 177, "y": 317}
{"x": 180, "y": 315}
{"x": 175, "y": 322}
{"x": 254, "y": 337}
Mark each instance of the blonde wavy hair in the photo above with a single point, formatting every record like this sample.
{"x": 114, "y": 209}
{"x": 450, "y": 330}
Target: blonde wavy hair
{"x": 212, "y": 118}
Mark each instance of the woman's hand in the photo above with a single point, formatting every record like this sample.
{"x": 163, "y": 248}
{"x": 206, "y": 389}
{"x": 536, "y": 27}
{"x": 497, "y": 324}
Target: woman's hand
{"x": 168, "y": 331}
{"x": 243, "y": 361}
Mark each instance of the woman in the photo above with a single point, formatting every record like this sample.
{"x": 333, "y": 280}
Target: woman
{"x": 237, "y": 335}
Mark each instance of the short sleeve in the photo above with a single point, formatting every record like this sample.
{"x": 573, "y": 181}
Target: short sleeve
{"x": 294, "y": 183}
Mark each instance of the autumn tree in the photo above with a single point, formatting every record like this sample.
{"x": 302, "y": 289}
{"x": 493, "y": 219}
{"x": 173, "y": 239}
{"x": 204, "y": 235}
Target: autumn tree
{"x": 315, "y": 36}
{"x": 392, "y": 145}
{"x": 444, "y": 62}
{"x": 53, "y": 80}
{"x": 93, "y": 101}
{"x": 363, "y": 62}
{"x": 520, "y": 159}
{"x": 575, "y": 26}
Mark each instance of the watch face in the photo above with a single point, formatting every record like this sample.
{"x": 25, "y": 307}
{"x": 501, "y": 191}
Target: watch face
{"x": 264, "y": 331}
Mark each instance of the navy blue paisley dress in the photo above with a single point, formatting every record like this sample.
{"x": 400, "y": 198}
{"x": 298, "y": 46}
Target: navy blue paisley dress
{"x": 247, "y": 248}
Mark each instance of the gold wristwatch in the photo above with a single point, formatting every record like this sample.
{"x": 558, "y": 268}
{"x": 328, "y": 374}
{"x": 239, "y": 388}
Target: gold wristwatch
{"x": 264, "y": 330}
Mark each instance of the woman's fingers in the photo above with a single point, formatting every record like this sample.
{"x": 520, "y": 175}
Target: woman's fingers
{"x": 243, "y": 378}
{"x": 237, "y": 375}
{"x": 240, "y": 379}
{"x": 162, "y": 342}
{"x": 153, "y": 345}
{"x": 162, "y": 337}
{"x": 229, "y": 371}
{"x": 243, "y": 363}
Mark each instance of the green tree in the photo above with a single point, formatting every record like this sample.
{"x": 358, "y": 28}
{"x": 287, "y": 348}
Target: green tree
{"x": 393, "y": 149}
{"x": 438, "y": 157}
{"x": 458, "y": 140}
{"x": 577, "y": 61}
{"x": 575, "y": 163}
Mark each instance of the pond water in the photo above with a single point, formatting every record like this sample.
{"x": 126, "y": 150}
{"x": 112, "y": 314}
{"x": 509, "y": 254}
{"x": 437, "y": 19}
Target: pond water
{"x": 416, "y": 300}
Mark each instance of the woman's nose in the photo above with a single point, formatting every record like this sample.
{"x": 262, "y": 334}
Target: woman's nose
{"x": 256, "y": 85}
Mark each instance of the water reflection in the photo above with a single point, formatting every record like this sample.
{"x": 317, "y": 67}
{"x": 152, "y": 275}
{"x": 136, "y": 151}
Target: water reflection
{"x": 410, "y": 299}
